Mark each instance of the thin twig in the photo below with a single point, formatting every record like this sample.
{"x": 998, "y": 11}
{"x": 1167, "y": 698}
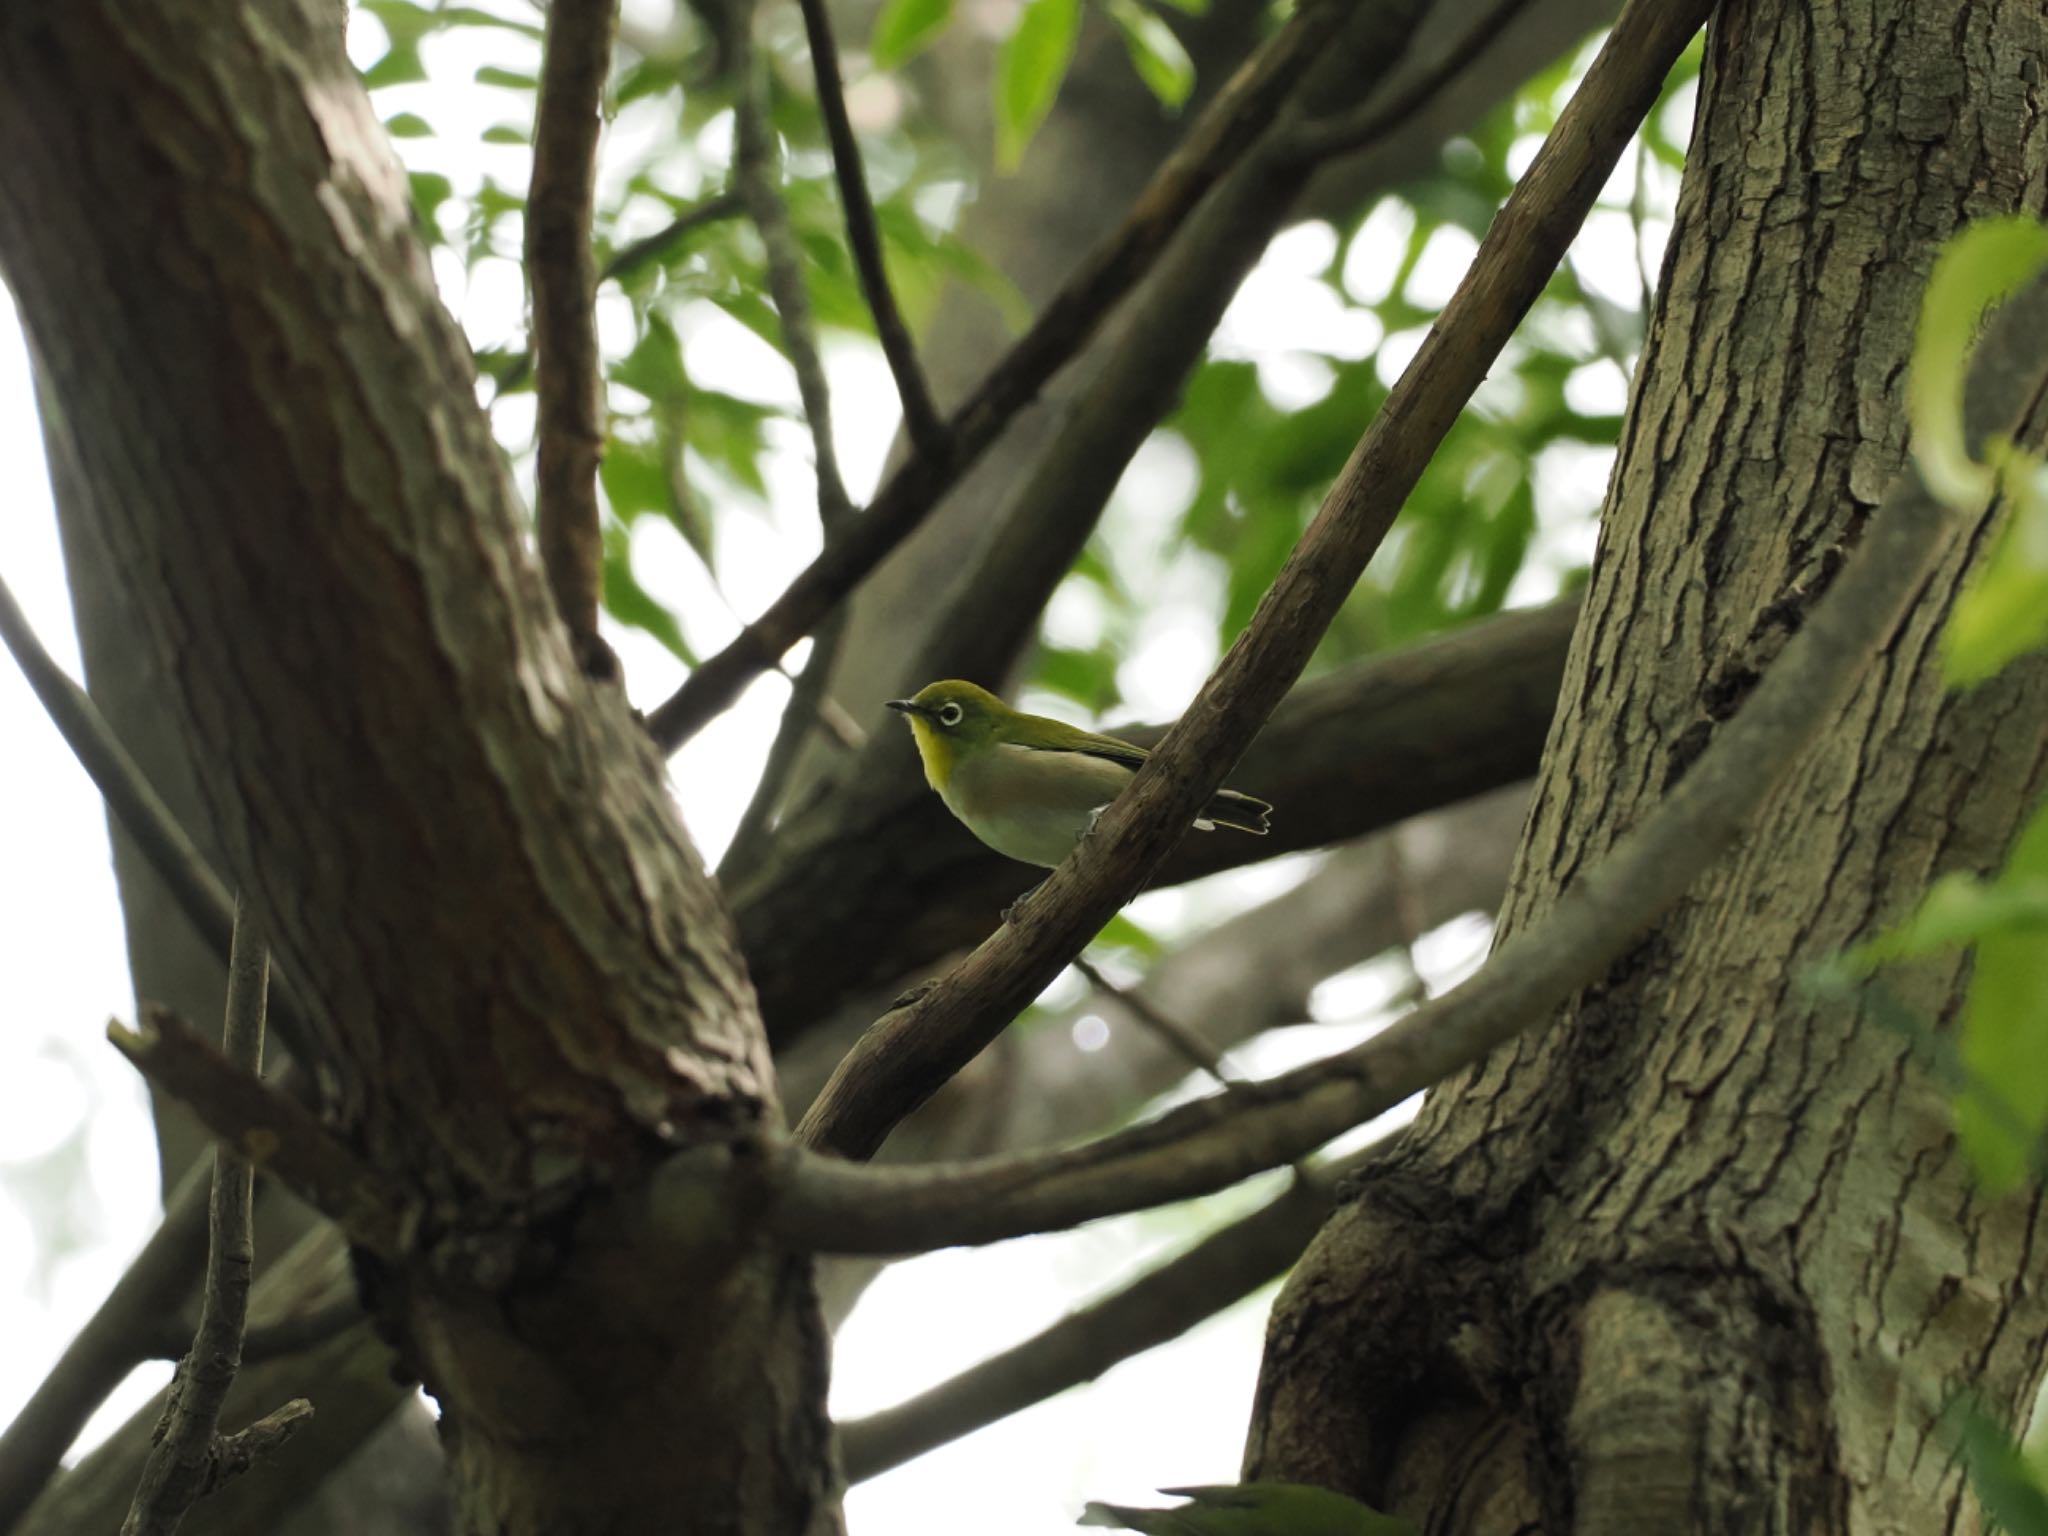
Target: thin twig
{"x": 755, "y": 172}
{"x": 837, "y": 1206}
{"x": 1358, "y": 129}
{"x": 1232, "y": 122}
{"x": 864, "y": 238}
{"x": 200, "y": 893}
{"x": 629, "y": 258}
{"x": 561, "y": 269}
{"x": 910, "y": 1052}
{"x": 275, "y": 1132}
{"x": 190, "y": 1458}
{"x": 1184, "y": 1042}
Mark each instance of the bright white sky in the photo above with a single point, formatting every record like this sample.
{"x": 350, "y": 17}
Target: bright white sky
{"x": 76, "y": 1166}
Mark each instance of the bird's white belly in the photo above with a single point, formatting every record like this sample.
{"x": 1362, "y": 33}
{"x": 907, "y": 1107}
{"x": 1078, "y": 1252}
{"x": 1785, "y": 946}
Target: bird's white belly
{"x": 1029, "y": 805}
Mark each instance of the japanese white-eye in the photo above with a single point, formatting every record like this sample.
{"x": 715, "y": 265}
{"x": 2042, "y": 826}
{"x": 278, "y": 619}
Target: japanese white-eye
{"x": 1027, "y": 786}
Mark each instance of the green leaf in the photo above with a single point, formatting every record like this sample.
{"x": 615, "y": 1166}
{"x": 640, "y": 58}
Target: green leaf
{"x": 408, "y": 125}
{"x": 630, "y": 603}
{"x": 1252, "y": 1509}
{"x": 2005, "y": 1024}
{"x": 2004, "y": 1483}
{"x": 1156, "y": 53}
{"x": 906, "y": 28}
{"x": 1029, "y": 70}
{"x": 511, "y": 79}
{"x": 506, "y": 133}
{"x": 2003, "y": 611}
{"x": 429, "y": 191}
{"x": 1980, "y": 267}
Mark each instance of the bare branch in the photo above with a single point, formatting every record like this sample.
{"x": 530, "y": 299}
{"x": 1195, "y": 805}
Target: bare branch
{"x": 629, "y": 258}
{"x": 561, "y": 269}
{"x": 1371, "y": 120}
{"x": 201, "y": 894}
{"x": 909, "y": 1052}
{"x": 838, "y": 1206}
{"x": 864, "y": 238}
{"x": 190, "y": 1458}
{"x": 1224, "y": 1267}
{"x": 1237, "y": 116}
{"x": 1182, "y": 1041}
{"x": 275, "y": 1132}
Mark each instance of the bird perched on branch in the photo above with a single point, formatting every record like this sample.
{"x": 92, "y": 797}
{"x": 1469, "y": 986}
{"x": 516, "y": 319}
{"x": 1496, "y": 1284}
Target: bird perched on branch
{"x": 1028, "y": 786}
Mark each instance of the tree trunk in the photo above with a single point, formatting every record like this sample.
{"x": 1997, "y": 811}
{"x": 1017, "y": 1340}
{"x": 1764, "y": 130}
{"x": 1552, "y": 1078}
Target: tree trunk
{"x": 1702, "y": 1254}
{"x": 527, "y": 992}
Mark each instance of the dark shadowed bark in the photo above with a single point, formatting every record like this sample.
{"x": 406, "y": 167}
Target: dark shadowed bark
{"x": 1703, "y": 1255}
{"x": 465, "y": 854}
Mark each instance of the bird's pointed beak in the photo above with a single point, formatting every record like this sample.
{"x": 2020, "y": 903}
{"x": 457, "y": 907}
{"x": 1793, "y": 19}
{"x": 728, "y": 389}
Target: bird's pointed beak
{"x": 906, "y": 706}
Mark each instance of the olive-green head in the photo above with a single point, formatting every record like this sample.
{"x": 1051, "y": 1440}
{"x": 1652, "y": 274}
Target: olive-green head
{"x": 958, "y": 714}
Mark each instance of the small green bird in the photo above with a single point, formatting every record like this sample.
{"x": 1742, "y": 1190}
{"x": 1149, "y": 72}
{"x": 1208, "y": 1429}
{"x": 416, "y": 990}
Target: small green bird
{"x": 1028, "y": 786}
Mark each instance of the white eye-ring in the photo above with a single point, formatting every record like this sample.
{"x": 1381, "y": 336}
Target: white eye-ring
{"x": 949, "y": 714}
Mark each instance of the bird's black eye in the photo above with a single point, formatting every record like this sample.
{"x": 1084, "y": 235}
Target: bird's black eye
{"x": 949, "y": 714}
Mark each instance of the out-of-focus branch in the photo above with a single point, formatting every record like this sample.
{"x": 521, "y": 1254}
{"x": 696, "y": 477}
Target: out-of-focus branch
{"x": 270, "y": 1341}
{"x": 561, "y": 270}
{"x": 1224, "y": 1267}
{"x": 201, "y": 894}
{"x": 1369, "y": 121}
{"x": 191, "y": 1457}
{"x": 1240, "y": 112}
{"x": 911, "y": 1051}
{"x": 864, "y": 239}
{"x": 630, "y": 257}
{"x": 271, "y": 1129}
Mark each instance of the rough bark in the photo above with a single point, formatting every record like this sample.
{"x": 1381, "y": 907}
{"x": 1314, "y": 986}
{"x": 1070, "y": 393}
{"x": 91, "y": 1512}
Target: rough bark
{"x": 464, "y": 852}
{"x": 1703, "y": 1255}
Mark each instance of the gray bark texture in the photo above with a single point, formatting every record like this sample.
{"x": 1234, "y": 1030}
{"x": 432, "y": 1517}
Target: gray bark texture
{"x": 526, "y": 987}
{"x": 1703, "y": 1255}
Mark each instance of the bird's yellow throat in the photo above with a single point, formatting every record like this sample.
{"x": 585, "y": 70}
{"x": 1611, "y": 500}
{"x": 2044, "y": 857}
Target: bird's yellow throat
{"x": 935, "y": 749}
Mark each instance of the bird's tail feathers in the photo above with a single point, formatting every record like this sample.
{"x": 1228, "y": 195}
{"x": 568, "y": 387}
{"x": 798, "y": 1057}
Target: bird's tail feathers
{"x": 1243, "y": 813}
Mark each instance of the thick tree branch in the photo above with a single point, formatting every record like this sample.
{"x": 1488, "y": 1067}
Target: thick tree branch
{"x": 861, "y": 892}
{"x": 1596, "y": 921}
{"x": 561, "y": 269}
{"x": 1239, "y": 113}
{"x": 273, "y": 1131}
{"x": 911, "y": 1051}
{"x": 191, "y": 1458}
{"x": 864, "y": 239}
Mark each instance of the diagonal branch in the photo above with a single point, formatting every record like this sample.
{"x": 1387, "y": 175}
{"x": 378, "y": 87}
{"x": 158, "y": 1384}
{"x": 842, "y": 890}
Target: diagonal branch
{"x": 864, "y": 238}
{"x": 561, "y": 268}
{"x": 1233, "y": 121}
{"x": 837, "y": 1206}
{"x": 191, "y": 1458}
{"x": 274, "y": 1131}
{"x": 201, "y": 894}
{"x": 911, "y": 1051}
